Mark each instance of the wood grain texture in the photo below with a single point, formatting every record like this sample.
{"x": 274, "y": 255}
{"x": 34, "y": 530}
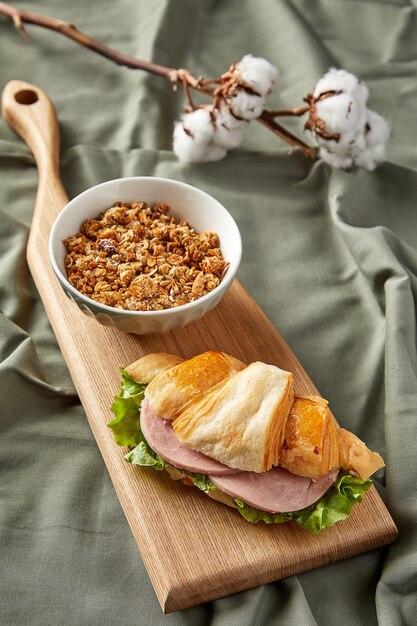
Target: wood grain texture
{"x": 194, "y": 549}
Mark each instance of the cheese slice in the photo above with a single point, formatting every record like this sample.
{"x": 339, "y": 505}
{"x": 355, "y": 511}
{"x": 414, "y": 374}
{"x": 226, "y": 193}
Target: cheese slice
{"x": 174, "y": 388}
{"x": 241, "y": 421}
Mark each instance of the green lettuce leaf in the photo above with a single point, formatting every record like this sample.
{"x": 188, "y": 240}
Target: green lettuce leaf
{"x": 126, "y": 424}
{"x": 125, "y": 407}
{"x": 201, "y": 481}
{"x": 144, "y": 455}
{"x": 334, "y": 506}
{"x": 251, "y": 514}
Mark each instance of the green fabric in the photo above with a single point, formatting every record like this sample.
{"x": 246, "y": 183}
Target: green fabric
{"x": 330, "y": 256}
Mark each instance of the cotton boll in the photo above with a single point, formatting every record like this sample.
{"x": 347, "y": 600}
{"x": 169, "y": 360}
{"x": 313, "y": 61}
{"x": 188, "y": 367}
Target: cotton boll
{"x": 185, "y": 146}
{"x": 376, "y": 136}
{"x": 379, "y": 130}
{"x": 224, "y": 117}
{"x": 188, "y": 150}
{"x": 356, "y": 151}
{"x": 214, "y": 152}
{"x": 361, "y": 93}
{"x": 379, "y": 152}
{"x": 193, "y": 138}
{"x": 362, "y": 134}
{"x": 228, "y": 129}
{"x": 354, "y": 140}
{"x": 340, "y": 150}
{"x": 342, "y": 81}
{"x": 228, "y": 138}
{"x": 333, "y": 146}
{"x": 341, "y": 113}
{"x": 258, "y": 73}
{"x": 366, "y": 160}
{"x": 370, "y": 157}
{"x": 246, "y": 105}
{"x": 344, "y": 140}
{"x": 199, "y": 124}
{"x": 349, "y": 144}
{"x": 358, "y": 145}
{"x": 341, "y": 162}
{"x": 335, "y": 80}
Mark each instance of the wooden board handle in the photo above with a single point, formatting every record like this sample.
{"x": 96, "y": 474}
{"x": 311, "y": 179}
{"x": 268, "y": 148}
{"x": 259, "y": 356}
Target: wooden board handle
{"x": 28, "y": 110}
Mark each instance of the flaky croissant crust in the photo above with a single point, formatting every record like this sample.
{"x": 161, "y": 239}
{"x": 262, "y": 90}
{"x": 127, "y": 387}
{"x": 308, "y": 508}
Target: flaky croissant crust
{"x": 247, "y": 416}
{"x": 241, "y": 421}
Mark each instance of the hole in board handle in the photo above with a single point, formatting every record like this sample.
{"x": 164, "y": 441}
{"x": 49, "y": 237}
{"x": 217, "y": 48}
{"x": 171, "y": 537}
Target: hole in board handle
{"x": 26, "y": 96}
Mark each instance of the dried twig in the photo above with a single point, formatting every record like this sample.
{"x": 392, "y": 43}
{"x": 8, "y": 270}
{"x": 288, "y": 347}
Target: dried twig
{"x": 20, "y": 17}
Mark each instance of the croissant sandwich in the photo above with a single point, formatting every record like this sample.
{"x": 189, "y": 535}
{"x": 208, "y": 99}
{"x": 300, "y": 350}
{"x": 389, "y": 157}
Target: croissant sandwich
{"x": 240, "y": 434}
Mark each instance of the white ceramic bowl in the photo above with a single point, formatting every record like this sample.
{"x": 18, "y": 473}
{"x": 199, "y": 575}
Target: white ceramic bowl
{"x": 198, "y": 208}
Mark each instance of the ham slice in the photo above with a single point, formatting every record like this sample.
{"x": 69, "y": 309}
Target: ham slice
{"x": 275, "y": 491}
{"x": 160, "y": 436}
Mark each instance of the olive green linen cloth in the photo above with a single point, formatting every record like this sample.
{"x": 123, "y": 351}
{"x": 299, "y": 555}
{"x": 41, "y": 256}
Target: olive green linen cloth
{"x": 330, "y": 256}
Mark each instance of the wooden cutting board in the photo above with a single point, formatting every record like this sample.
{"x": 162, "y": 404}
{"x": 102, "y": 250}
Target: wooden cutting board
{"x": 194, "y": 549}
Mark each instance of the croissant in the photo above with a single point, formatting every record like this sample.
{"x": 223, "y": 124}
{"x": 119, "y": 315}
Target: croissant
{"x": 247, "y": 418}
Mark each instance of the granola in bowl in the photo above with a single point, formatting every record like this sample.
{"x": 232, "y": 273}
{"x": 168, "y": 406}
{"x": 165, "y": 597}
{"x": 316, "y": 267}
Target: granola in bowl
{"x": 138, "y": 257}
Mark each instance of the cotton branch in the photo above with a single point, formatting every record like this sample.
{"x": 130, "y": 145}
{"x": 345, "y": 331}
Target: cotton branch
{"x": 175, "y": 76}
{"x": 267, "y": 119}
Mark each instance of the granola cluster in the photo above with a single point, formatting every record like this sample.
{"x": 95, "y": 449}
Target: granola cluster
{"x": 140, "y": 258}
